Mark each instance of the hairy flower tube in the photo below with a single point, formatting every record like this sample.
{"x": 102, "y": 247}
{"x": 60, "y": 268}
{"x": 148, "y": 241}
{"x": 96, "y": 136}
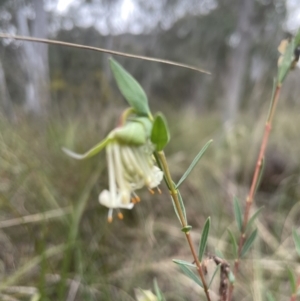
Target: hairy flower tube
{"x": 131, "y": 166}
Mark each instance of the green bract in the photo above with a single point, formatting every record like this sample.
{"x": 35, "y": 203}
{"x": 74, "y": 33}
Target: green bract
{"x": 130, "y": 89}
{"x": 146, "y": 122}
{"x": 287, "y": 59}
{"x": 160, "y": 133}
{"x": 133, "y": 133}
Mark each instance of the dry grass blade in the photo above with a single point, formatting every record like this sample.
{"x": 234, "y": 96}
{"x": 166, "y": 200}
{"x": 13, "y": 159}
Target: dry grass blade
{"x": 34, "y": 218}
{"x": 119, "y": 53}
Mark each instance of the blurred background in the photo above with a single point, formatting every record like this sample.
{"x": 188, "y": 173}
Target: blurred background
{"x": 54, "y": 237}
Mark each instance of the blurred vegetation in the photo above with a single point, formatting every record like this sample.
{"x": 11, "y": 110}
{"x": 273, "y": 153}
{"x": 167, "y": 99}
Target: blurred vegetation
{"x": 54, "y": 237}
{"x": 108, "y": 261}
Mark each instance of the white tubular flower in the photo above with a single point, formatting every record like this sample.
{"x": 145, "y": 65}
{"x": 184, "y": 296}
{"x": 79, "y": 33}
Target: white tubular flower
{"x": 130, "y": 164}
{"x": 130, "y": 167}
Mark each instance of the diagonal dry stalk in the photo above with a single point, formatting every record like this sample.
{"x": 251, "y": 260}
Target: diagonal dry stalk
{"x": 174, "y": 195}
{"x": 113, "y": 52}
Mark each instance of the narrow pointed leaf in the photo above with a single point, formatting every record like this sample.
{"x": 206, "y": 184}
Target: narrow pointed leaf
{"x": 183, "y": 262}
{"x": 286, "y": 61}
{"x": 189, "y": 273}
{"x": 248, "y": 243}
{"x": 296, "y": 241}
{"x": 157, "y": 291}
{"x": 238, "y": 214}
{"x": 214, "y": 274}
{"x": 203, "y": 240}
{"x": 181, "y": 206}
{"x": 90, "y": 153}
{"x": 234, "y": 244}
{"x": 193, "y": 164}
{"x": 130, "y": 88}
{"x": 293, "y": 282}
{"x": 160, "y": 135}
{"x": 253, "y": 217}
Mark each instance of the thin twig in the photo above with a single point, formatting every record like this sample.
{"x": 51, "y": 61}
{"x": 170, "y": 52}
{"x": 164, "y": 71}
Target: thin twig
{"x": 113, "y": 52}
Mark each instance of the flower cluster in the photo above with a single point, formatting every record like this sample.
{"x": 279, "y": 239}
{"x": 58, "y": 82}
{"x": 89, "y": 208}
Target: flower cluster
{"x": 130, "y": 167}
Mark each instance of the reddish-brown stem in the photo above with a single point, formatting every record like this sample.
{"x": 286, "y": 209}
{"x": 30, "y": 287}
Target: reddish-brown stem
{"x": 294, "y": 295}
{"x": 198, "y": 264}
{"x": 255, "y": 178}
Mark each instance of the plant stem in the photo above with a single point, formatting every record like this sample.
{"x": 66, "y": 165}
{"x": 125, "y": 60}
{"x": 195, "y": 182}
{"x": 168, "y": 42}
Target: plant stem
{"x": 174, "y": 195}
{"x": 255, "y": 178}
{"x": 294, "y": 295}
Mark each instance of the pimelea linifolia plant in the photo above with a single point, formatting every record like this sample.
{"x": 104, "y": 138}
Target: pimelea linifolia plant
{"x": 135, "y": 158}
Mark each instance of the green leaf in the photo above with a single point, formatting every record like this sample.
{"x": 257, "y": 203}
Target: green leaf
{"x": 297, "y": 38}
{"x": 287, "y": 59}
{"x": 214, "y": 274}
{"x": 234, "y": 243}
{"x": 296, "y": 241}
{"x": 203, "y": 240}
{"x": 253, "y": 217}
{"x": 238, "y": 214}
{"x": 130, "y": 88}
{"x": 181, "y": 206}
{"x": 248, "y": 243}
{"x": 158, "y": 293}
{"x": 160, "y": 135}
{"x": 193, "y": 164}
{"x": 189, "y": 273}
{"x": 270, "y": 296}
{"x": 186, "y": 229}
{"x": 293, "y": 282}
{"x": 90, "y": 153}
{"x": 183, "y": 262}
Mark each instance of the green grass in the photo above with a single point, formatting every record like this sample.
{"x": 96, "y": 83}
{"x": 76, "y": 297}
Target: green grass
{"x": 78, "y": 251}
